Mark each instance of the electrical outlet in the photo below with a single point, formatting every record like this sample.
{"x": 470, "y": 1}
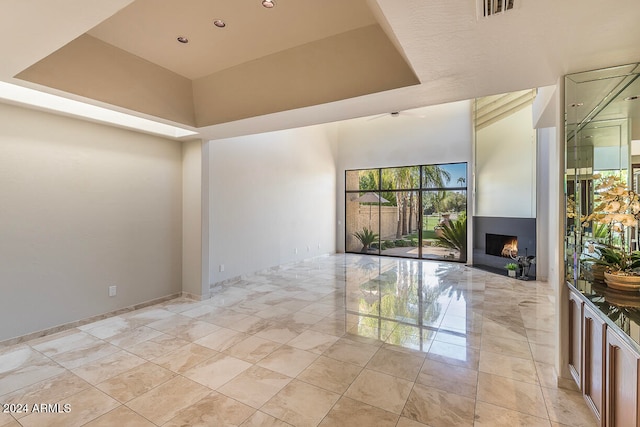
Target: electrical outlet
{"x": 112, "y": 291}
{"x": 318, "y": 245}
{"x": 308, "y": 248}
{"x": 295, "y": 251}
{"x": 221, "y": 268}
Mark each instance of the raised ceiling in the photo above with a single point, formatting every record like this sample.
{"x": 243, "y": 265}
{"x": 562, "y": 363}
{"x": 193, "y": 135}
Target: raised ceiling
{"x": 149, "y": 28}
{"x": 443, "y": 51}
{"x": 297, "y": 54}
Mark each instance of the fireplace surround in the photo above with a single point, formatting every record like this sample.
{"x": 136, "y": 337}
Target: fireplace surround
{"x": 491, "y": 235}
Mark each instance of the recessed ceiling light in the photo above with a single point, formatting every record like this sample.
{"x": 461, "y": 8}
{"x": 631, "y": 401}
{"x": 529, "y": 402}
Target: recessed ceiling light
{"x": 219, "y": 23}
{"x": 268, "y": 4}
{"x": 576, "y": 104}
{"x": 183, "y": 39}
{"x": 631, "y": 98}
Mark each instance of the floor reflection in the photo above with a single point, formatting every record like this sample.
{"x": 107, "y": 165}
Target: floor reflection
{"x": 336, "y": 340}
{"x": 406, "y": 302}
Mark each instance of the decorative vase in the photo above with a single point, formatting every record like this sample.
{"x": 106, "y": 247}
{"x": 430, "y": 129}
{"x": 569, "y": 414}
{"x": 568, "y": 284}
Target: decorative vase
{"x": 512, "y": 273}
{"x": 622, "y": 282}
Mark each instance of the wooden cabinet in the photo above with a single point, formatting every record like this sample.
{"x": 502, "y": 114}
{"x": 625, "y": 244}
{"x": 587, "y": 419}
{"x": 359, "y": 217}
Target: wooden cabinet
{"x": 604, "y": 364}
{"x": 575, "y": 337}
{"x": 622, "y": 382}
{"x": 593, "y": 361}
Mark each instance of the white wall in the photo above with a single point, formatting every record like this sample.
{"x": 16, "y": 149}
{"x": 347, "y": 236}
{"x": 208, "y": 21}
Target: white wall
{"x": 546, "y": 189}
{"x": 430, "y": 135}
{"x": 83, "y": 206}
{"x": 544, "y": 119}
{"x": 270, "y": 194}
{"x": 506, "y": 167}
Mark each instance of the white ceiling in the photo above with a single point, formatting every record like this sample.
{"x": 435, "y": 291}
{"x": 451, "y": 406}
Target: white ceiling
{"x": 455, "y": 55}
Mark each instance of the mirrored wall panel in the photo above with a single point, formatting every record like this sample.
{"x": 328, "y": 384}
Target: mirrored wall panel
{"x": 602, "y": 110}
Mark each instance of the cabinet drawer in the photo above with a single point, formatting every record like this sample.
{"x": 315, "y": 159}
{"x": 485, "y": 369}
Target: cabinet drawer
{"x": 575, "y": 337}
{"x": 593, "y": 361}
{"x": 622, "y": 383}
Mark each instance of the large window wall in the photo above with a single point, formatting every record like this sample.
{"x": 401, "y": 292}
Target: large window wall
{"x": 409, "y": 211}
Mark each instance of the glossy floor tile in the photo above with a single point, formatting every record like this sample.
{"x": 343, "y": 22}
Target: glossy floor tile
{"x": 341, "y": 340}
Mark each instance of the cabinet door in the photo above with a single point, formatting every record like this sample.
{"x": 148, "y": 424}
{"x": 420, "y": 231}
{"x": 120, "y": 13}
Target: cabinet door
{"x": 575, "y": 338}
{"x": 593, "y": 340}
{"x": 622, "y": 383}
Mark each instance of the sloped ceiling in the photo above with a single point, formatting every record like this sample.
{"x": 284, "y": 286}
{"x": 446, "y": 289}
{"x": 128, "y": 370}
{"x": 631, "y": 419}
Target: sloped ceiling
{"x": 378, "y": 55}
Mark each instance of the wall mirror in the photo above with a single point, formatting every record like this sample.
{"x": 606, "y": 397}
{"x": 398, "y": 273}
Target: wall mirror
{"x": 602, "y": 118}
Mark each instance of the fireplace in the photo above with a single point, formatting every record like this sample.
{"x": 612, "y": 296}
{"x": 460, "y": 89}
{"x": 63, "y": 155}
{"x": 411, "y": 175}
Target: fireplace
{"x": 497, "y": 239}
{"x": 501, "y": 245}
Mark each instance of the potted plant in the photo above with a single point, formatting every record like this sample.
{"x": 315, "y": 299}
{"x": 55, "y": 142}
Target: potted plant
{"x": 511, "y": 269}
{"x": 621, "y": 268}
{"x": 617, "y": 208}
{"x": 366, "y": 237}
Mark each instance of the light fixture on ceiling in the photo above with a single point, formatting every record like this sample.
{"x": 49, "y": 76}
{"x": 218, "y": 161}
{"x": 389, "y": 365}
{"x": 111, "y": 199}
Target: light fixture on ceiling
{"x": 182, "y": 39}
{"x": 269, "y": 4}
{"x": 219, "y": 23}
{"x": 576, "y": 104}
{"x": 631, "y": 98}
{"x": 397, "y": 114}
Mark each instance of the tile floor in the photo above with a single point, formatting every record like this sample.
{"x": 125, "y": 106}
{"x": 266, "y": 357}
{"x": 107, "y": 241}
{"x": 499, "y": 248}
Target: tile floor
{"x": 337, "y": 340}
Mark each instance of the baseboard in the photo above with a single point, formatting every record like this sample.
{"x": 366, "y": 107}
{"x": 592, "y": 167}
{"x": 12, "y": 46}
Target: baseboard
{"x": 71, "y": 325}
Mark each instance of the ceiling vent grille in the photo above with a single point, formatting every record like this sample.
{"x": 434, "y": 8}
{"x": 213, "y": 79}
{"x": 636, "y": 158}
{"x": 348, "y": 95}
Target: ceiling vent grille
{"x": 494, "y": 7}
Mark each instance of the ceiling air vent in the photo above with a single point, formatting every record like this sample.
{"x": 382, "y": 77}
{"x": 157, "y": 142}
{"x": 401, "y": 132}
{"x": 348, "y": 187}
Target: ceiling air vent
{"x": 494, "y": 7}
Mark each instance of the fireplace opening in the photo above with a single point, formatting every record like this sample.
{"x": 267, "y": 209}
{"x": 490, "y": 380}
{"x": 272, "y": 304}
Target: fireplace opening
{"x": 501, "y": 245}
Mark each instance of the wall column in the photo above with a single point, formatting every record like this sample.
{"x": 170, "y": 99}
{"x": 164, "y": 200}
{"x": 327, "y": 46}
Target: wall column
{"x": 195, "y": 208}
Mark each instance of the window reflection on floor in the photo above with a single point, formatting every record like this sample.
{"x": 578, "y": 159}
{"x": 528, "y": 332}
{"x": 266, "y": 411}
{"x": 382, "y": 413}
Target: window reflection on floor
{"x": 406, "y": 303}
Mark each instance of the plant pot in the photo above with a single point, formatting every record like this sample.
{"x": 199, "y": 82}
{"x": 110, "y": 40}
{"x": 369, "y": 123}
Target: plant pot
{"x": 622, "y": 282}
{"x": 623, "y": 299}
{"x": 598, "y": 272}
{"x": 512, "y": 273}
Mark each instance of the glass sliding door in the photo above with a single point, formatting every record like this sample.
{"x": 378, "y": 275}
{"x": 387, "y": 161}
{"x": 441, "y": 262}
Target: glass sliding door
{"x": 362, "y": 209}
{"x": 444, "y": 209}
{"x": 401, "y": 235}
{"x": 410, "y": 211}
{"x": 444, "y": 230}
